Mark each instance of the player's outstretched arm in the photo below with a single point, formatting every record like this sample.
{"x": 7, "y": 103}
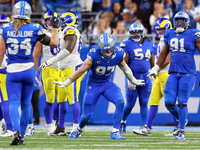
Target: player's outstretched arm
{"x": 128, "y": 73}
{"x": 86, "y": 65}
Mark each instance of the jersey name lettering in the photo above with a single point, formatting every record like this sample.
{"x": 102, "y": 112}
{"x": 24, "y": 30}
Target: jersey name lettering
{"x": 20, "y": 34}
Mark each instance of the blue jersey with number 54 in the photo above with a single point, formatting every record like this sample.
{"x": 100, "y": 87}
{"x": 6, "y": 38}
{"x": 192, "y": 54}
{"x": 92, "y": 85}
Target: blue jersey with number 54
{"x": 20, "y": 44}
{"x": 102, "y": 68}
{"x": 182, "y": 47}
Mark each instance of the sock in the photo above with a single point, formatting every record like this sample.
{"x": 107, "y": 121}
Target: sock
{"x": 144, "y": 113}
{"x": 118, "y": 114}
{"x": 31, "y": 116}
{"x": 74, "y": 127}
{"x": 14, "y": 114}
{"x": 151, "y": 116}
{"x": 48, "y": 112}
{"x": 127, "y": 111}
{"x": 76, "y": 112}
{"x": 115, "y": 130}
{"x": 62, "y": 114}
{"x": 25, "y": 116}
{"x": 174, "y": 111}
{"x": 175, "y": 121}
{"x": 6, "y": 115}
{"x": 56, "y": 112}
{"x": 83, "y": 122}
{"x": 183, "y": 111}
{"x": 123, "y": 121}
{"x": 1, "y": 114}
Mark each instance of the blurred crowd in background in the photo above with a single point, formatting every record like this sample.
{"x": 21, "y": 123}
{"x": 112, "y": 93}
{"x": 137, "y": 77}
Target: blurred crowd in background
{"x": 112, "y": 16}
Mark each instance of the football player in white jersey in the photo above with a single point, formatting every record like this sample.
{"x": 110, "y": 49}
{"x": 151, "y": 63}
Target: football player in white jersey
{"x": 49, "y": 74}
{"x": 68, "y": 61}
{"x": 4, "y": 107}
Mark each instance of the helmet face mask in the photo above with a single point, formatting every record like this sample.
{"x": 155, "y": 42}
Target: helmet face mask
{"x": 181, "y": 21}
{"x": 162, "y": 24}
{"x": 69, "y": 18}
{"x": 22, "y": 10}
{"x": 106, "y": 45}
{"x": 136, "y": 31}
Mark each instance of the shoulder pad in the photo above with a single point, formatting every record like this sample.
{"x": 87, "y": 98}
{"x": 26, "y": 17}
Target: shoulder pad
{"x": 197, "y": 34}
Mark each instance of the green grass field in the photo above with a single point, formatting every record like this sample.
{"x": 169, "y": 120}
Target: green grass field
{"x": 99, "y": 139}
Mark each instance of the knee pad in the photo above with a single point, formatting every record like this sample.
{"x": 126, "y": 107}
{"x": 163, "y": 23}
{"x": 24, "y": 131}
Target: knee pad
{"x": 119, "y": 104}
{"x": 182, "y": 105}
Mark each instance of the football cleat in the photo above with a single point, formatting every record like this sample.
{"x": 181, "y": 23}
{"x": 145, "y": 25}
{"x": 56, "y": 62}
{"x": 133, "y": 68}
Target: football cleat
{"x": 17, "y": 137}
{"x": 180, "y": 135}
{"x": 116, "y": 136}
{"x": 58, "y": 132}
{"x": 50, "y": 128}
{"x": 7, "y": 133}
{"x": 145, "y": 130}
{"x": 75, "y": 134}
{"x": 173, "y": 133}
{"x": 30, "y": 131}
{"x": 122, "y": 128}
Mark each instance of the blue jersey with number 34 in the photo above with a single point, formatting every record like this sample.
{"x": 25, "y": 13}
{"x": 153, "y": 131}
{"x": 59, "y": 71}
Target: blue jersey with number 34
{"x": 20, "y": 44}
{"x": 182, "y": 47}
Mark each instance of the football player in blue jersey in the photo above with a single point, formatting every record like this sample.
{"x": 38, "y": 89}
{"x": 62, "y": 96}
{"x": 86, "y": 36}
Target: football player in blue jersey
{"x": 157, "y": 92}
{"x": 140, "y": 58}
{"x": 101, "y": 63}
{"x": 181, "y": 42}
{"x": 19, "y": 38}
{"x": 4, "y": 107}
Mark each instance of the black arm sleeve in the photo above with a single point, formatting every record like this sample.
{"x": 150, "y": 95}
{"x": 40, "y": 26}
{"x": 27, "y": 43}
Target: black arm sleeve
{"x": 45, "y": 39}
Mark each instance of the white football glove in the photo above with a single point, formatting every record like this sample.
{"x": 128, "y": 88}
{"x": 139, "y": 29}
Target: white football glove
{"x": 153, "y": 71}
{"x": 63, "y": 84}
{"x": 151, "y": 78}
{"x": 131, "y": 86}
{"x": 47, "y": 63}
{"x": 140, "y": 82}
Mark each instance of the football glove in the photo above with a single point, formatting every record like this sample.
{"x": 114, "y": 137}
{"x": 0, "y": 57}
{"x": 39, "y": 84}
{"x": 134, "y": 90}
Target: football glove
{"x": 131, "y": 86}
{"x": 54, "y": 20}
{"x": 153, "y": 71}
{"x": 63, "y": 84}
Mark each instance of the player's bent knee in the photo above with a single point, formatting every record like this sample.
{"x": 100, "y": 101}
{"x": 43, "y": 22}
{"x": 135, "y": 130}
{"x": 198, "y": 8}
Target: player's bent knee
{"x": 169, "y": 105}
{"x": 120, "y": 104}
{"x": 182, "y": 105}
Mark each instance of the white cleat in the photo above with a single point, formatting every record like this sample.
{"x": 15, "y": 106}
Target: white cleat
{"x": 30, "y": 131}
{"x": 50, "y": 128}
{"x": 144, "y": 131}
{"x": 173, "y": 133}
{"x": 7, "y": 133}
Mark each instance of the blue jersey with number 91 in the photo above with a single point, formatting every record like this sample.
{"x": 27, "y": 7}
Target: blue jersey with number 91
{"x": 20, "y": 44}
{"x": 102, "y": 68}
{"x": 182, "y": 47}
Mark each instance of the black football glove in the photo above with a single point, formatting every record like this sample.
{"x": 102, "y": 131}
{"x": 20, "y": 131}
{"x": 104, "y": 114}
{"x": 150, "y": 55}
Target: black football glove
{"x": 54, "y": 20}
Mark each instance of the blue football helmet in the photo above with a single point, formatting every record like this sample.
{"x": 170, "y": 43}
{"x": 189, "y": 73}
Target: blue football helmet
{"x": 47, "y": 23}
{"x": 22, "y": 10}
{"x": 136, "y": 27}
{"x": 181, "y": 26}
{"x": 69, "y": 18}
{"x": 162, "y": 23}
{"x": 106, "y": 42}
{"x": 4, "y": 19}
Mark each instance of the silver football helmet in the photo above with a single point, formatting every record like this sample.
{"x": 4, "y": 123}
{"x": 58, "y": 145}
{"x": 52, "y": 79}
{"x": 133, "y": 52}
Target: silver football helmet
{"x": 181, "y": 26}
{"x": 22, "y": 10}
{"x": 136, "y": 27}
{"x": 106, "y": 42}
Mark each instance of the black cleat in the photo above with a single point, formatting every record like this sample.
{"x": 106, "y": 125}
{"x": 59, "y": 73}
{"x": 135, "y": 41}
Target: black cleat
{"x": 58, "y": 132}
{"x": 16, "y": 139}
{"x": 21, "y": 142}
